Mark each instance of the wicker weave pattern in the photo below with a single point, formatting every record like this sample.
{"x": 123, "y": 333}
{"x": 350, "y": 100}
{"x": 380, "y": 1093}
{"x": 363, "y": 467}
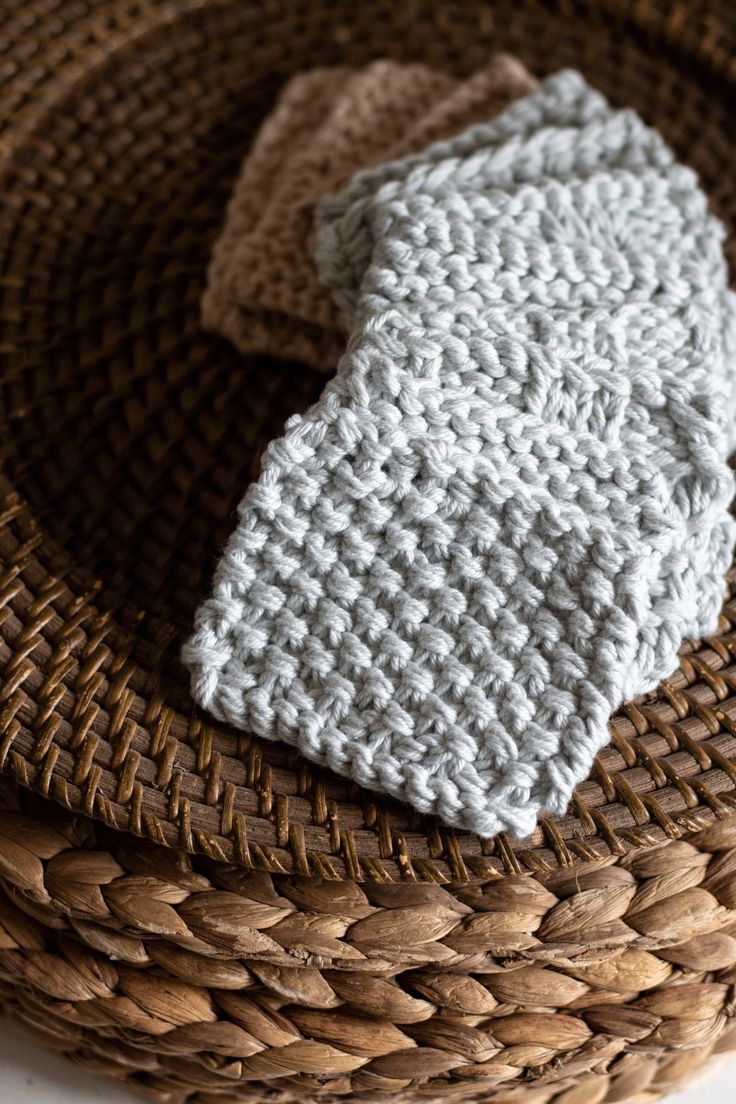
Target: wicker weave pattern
{"x": 116, "y": 735}
{"x": 190, "y": 980}
{"x": 130, "y": 772}
{"x": 125, "y": 428}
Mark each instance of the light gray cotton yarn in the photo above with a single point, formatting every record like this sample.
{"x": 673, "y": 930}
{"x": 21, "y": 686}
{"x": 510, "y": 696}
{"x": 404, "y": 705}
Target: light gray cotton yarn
{"x": 511, "y": 504}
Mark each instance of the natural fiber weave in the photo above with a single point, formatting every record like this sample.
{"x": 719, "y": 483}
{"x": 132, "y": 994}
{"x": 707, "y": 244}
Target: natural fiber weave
{"x": 127, "y": 437}
{"x": 200, "y": 981}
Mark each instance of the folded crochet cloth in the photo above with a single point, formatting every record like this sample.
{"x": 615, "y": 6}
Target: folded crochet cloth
{"x": 263, "y": 292}
{"x": 511, "y": 504}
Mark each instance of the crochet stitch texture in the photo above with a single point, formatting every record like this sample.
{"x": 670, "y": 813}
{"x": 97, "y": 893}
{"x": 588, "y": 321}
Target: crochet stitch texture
{"x": 262, "y": 291}
{"x": 511, "y": 504}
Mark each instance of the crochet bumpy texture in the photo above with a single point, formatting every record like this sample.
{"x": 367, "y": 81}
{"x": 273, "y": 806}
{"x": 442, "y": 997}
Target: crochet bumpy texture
{"x": 262, "y": 287}
{"x": 511, "y": 504}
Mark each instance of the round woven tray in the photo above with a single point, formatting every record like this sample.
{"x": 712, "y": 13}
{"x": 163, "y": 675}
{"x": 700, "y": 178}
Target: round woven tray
{"x": 128, "y": 436}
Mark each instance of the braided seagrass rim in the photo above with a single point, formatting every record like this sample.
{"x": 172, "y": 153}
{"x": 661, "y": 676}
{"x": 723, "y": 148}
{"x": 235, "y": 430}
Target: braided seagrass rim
{"x": 128, "y": 435}
{"x": 189, "y": 978}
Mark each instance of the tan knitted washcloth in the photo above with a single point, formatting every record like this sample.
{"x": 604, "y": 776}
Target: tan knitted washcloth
{"x": 263, "y": 292}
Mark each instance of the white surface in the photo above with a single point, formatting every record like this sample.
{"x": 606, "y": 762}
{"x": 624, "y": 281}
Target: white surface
{"x": 32, "y": 1076}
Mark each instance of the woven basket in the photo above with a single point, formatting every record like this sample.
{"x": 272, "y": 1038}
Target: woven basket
{"x": 202, "y": 915}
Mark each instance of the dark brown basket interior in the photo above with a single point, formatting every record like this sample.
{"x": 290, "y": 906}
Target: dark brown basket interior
{"x": 132, "y": 434}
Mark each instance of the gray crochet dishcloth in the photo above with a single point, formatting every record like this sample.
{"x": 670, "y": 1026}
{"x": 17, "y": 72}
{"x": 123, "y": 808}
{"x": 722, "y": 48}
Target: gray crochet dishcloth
{"x": 511, "y": 504}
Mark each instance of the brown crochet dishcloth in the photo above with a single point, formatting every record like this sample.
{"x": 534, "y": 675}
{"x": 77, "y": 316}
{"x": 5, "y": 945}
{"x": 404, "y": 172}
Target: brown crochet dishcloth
{"x": 262, "y": 291}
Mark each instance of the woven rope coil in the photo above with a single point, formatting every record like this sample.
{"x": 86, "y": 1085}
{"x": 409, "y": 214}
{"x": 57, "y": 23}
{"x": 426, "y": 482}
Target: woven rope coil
{"x": 196, "y": 979}
{"x": 128, "y": 435}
